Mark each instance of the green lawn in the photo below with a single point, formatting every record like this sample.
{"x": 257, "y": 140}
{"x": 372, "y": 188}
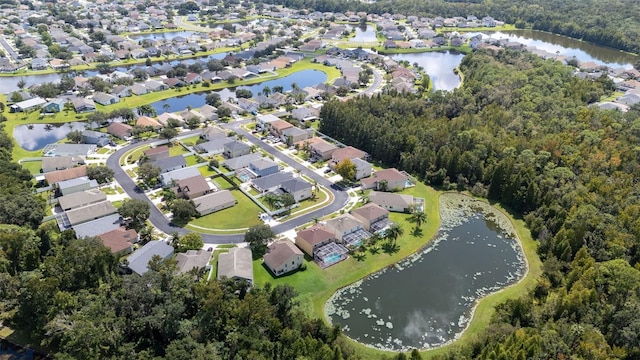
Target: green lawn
{"x": 206, "y": 171}
{"x": 33, "y": 166}
{"x": 190, "y": 141}
{"x": 241, "y": 216}
{"x": 134, "y": 154}
{"x": 177, "y": 149}
{"x": 192, "y": 160}
{"x": 222, "y": 183}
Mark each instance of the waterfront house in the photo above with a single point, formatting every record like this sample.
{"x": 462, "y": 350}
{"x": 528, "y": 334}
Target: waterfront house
{"x": 283, "y": 257}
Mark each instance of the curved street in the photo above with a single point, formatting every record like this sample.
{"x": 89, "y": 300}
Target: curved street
{"x": 160, "y": 221}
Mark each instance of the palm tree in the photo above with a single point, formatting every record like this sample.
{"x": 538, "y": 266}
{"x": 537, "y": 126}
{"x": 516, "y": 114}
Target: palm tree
{"x": 418, "y": 217}
{"x": 393, "y": 233}
{"x": 266, "y": 91}
{"x": 271, "y": 200}
{"x": 383, "y": 185}
{"x": 22, "y": 84}
{"x": 166, "y": 106}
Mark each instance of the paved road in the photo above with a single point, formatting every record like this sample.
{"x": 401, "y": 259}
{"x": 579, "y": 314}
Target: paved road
{"x": 8, "y": 49}
{"x": 189, "y": 26}
{"x": 377, "y": 81}
{"x": 164, "y": 224}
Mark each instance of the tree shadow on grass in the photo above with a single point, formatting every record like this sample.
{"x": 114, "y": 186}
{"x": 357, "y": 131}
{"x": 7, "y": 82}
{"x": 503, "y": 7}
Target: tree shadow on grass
{"x": 390, "y": 248}
{"x": 417, "y": 232}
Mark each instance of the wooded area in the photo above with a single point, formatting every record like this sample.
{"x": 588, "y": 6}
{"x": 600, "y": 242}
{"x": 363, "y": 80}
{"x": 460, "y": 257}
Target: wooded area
{"x": 520, "y": 132}
{"x": 611, "y": 23}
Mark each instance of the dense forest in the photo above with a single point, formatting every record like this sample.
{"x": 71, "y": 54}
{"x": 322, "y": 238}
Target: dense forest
{"x": 520, "y": 132}
{"x": 610, "y": 23}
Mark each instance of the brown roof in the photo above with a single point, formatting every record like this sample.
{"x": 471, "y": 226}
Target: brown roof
{"x": 67, "y": 174}
{"x": 370, "y": 211}
{"x": 280, "y": 252}
{"x": 119, "y": 129}
{"x": 348, "y": 152}
{"x": 315, "y": 234}
{"x": 156, "y": 150}
{"x": 281, "y": 125}
{"x": 313, "y": 140}
{"x": 119, "y": 239}
{"x": 147, "y": 121}
{"x": 389, "y": 174}
{"x": 193, "y": 185}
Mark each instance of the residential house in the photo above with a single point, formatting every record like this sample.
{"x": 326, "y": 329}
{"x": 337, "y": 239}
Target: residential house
{"x": 304, "y": 113}
{"x": 283, "y": 257}
{"x": 157, "y": 153}
{"x": 138, "y": 89}
{"x": 89, "y": 212}
{"x": 314, "y": 237}
{"x": 77, "y": 184}
{"x": 98, "y": 226}
{"x": 241, "y": 161}
{"x": 39, "y": 64}
{"x": 294, "y": 135}
{"x": 120, "y": 241}
{"x": 27, "y": 105}
{"x": 192, "y": 187}
{"x": 49, "y": 164}
{"x": 386, "y": 180}
{"x": 121, "y": 91}
{"x": 193, "y": 260}
{"x": 348, "y": 152}
{"x": 54, "y": 106}
{"x": 263, "y": 167}
{"x": 153, "y": 85}
{"x": 322, "y": 150}
{"x": 81, "y": 198}
{"x": 82, "y": 105}
{"x": 173, "y": 82}
{"x": 213, "y": 202}
{"x": 236, "y": 264}
{"x": 192, "y": 78}
{"x": 276, "y": 127}
{"x": 95, "y": 137}
{"x": 393, "y": 202}
{"x": 69, "y": 150}
{"x": 139, "y": 260}
{"x": 213, "y": 147}
{"x": 235, "y": 149}
{"x": 119, "y": 130}
{"x": 167, "y": 118}
{"x": 271, "y": 182}
{"x": 171, "y": 177}
{"x": 300, "y": 189}
{"x": 213, "y": 132}
{"x": 105, "y": 99}
{"x": 54, "y": 177}
{"x": 372, "y": 216}
{"x": 208, "y": 112}
{"x": 171, "y": 163}
{"x": 248, "y": 105}
{"x": 363, "y": 168}
{"x": 343, "y": 225}
{"x": 146, "y": 121}
{"x": 264, "y": 121}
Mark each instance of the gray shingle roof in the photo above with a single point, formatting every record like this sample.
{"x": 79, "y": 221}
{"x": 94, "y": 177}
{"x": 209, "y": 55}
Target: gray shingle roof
{"x": 139, "y": 260}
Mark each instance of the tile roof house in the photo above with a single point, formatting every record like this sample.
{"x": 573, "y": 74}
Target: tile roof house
{"x": 166, "y": 118}
{"x": 81, "y": 198}
{"x": 139, "y": 260}
{"x": 119, "y": 130}
{"x": 54, "y": 177}
{"x": 386, "y": 180}
{"x": 193, "y": 259}
{"x": 120, "y": 241}
{"x": 348, "y": 152}
{"x": 314, "y": 237}
{"x": 294, "y": 135}
{"x": 391, "y": 201}
{"x": 213, "y": 202}
{"x": 147, "y": 121}
{"x": 276, "y": 127}
{"x": 283, "y": 257}
{"x": 157, "y": 153}
{"x": 55, "y": 163}
{"x": 98, "y": 226}
{"x": 171, "y": 163}
{"x": 343, "y": 225}
{"x": 236, "y": 264}
{"x": 192, "y": 187}
{"x": 369, "y": 214}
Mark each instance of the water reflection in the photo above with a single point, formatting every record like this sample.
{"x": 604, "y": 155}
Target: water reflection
{"x": 439, "y": 66}
{"x": 36, "y": 136}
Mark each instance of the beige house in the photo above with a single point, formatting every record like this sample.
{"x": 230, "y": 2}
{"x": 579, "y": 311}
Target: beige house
{"x": 314, "y": 237}
{"x": 283, "y": 257}
{"x": 213, "y": 202}
{"x": 386, "y": 180}
{"x": 344, "y": 225}
{"x": 369, "y": 214}
{"x": 236, "y": 264}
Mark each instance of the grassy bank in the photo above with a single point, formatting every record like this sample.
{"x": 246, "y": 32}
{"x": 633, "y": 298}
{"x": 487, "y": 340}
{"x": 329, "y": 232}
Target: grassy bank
{"x": 465, "y": 49}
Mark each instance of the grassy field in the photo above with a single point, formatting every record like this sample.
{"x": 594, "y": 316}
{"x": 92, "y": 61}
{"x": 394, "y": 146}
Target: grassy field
{"x": 206, "y": 171}
{"x": 228, "y": 218}
{"x": 177, "y": 149}
{"x": 222, "y": 183}
{"x": 190, "y": 141}
{"x": 33, "y": 166}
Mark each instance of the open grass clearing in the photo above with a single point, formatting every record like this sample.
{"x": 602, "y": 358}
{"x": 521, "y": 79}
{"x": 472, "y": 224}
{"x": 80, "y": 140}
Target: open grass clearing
{"x": 241, "y": 216}
{"x": 34, "y": 167}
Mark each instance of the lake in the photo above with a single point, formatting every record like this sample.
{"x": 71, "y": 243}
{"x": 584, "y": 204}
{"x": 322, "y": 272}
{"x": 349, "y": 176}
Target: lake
{"x": 439, "y": 65}
{"x": 163, "y": 36}
{"x": 568, "y": 47}
{"x": 427, "y": 300}
{"x": 303, "y": 78}
{"x": 36, "y": 136}
{"x": 368, "y": 35}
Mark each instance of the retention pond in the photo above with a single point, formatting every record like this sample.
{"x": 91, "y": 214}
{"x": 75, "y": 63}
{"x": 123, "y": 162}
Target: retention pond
{"x": 427, "y": 300}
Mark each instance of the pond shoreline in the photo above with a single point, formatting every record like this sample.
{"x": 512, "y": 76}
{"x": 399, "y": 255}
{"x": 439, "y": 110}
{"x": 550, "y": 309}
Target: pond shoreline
{"x": 450, "y": 206}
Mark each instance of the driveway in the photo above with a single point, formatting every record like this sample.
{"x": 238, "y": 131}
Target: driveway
{"x": 161, "y": 222}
